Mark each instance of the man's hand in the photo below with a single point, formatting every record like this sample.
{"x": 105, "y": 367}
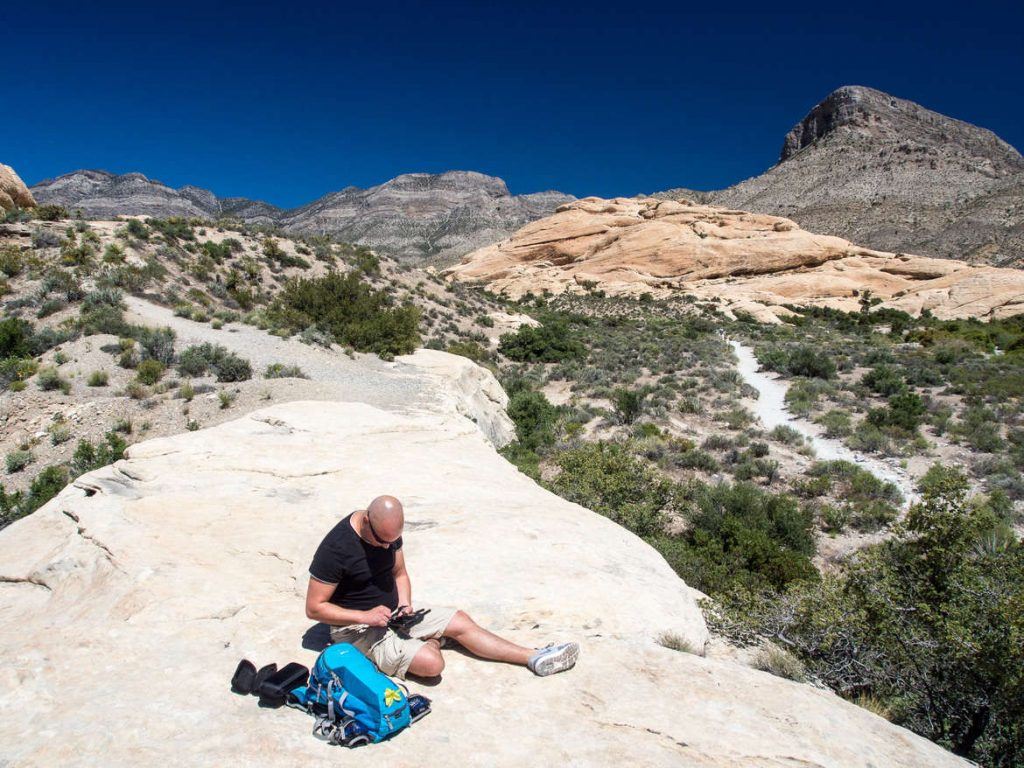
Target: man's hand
{"x": 377, "y": 617}
{"x": 403, "y": 610}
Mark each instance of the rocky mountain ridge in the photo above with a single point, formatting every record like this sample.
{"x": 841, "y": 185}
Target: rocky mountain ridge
{"x": 746, "y": 262}
{"x": 890, "y": 174}
{"x": 415, "y": 217}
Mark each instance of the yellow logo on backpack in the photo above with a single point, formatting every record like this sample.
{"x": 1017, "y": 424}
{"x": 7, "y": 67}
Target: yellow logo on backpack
{"x": 392, "y": 696}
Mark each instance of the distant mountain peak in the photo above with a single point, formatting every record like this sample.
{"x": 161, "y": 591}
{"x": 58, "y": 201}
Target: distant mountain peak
{"x": 874, "y": 114}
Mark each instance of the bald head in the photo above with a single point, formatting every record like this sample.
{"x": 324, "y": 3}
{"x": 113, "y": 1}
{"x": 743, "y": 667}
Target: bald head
{"x": 387, "y": 517}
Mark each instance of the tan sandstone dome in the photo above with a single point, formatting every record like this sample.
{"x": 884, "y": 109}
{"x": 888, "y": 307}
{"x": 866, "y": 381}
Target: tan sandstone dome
{"x": 129, "y": 598}
{"x": 750, "y": 262}
{"x": 13, "y": 192}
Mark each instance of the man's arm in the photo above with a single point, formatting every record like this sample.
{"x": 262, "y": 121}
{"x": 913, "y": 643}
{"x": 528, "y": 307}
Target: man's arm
{"x": 320, "y": 608}
{"x": 402, "y": 580}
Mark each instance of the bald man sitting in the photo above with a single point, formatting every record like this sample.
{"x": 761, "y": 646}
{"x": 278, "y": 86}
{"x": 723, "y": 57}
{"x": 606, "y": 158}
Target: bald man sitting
{"x": 358, "y": 579}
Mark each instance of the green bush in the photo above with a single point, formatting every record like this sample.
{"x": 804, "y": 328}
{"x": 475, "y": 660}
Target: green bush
{"x": 471, "y": 349}
{"x": 354, "y": 313}
{"x": 906, "y": 411}
{"x": 50, "y": 212}
{"x": 50, "y": 379}
{"x": 884, "y": 380}
{"x": 836, "y": 423}
{"x": 15, "y": 338}
{"x": 44, "y": 487}
{"x": 226, "y": 366}
{"x": 548, "y": 343}
{"x": 149, "y": 371}
{"x": 628, "y": 403}
{"x": 534, "y": 418}
{"x": 608, "y": 479}
{"x": 18, "y": 460}
{"x": 137, "y": 229}
{"x": 98, "y": 379}
{"x": 742, "y": 535}
{"x": 282, "y": 371}
{"x": 11, "y": 262}
{"x": 808, "y": 361}
{"x": 88, "y": 457}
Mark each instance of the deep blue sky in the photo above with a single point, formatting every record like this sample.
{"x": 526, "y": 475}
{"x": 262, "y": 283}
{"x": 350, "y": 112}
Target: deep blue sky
{"x": 287, "y": 101}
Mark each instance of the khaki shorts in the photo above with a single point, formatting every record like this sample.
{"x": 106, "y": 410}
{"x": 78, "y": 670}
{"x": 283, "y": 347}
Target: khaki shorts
{"x": 393, "y": 654}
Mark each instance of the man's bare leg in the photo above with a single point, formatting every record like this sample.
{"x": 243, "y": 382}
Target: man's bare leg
{"x": 484, "y": 644}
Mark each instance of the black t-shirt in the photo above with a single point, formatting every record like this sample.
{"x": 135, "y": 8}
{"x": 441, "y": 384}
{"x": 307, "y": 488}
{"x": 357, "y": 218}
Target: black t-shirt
{"x": 364, "y": 573}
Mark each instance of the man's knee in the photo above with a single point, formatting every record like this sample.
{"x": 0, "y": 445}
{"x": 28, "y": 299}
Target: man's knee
{"x": 427, "y": 662}
{"x": 461, "y": 622}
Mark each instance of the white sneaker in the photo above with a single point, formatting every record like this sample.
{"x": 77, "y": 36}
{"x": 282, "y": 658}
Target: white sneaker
{"x": 554, "y": 658}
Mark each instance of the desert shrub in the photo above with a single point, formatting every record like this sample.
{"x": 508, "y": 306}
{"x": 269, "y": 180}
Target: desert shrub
{"x": 157, "y": 344}
{"x": 869, "y": 502}
{"x": 737, "y": 418}
{"x": 551, "y": 342}
{"x": 836, "y": 423}
{"x": 59, "y": 433}
{"x": 11, "y": 262}
{"x": 231, "y": 367}
{"x": 534, "y": 418}
{"x": 50, "y": 379}
{"x": 608, "y": 479}
{"x": 226, "y": 366}
{"x": 103, "y": 318}
{"x": 98, "y": 379}
{"x": 780, "y": 663}
{"x": 905, "y": 411}
{"x": 695, "y": 459}
{"x": 50, "y": 212}
{"x": 149, "y": 371}
{"x": 282, "y": 371}
{"x": 88, "y": 457}
{"x": 15, "y": 338}
{"x": 471, "y": 349}
{"x": 786, "y": 435}
{"x": 675, "y": 642}
{"x": 18, "y": 460}
{"x": 628, "y": 404}
{"x": 173, "y": 228}
{"x": 742, "y": 535}
{"x": 352, "y": 311}
{"x": 525, "y": 460}
{"x": 137, "y": 229}
{"x": 979, "y": 428}
{"x": 805, "y": 360}
{"x": 884, "y": 380}
{"x": 218, "y": 252}
{"x": 44, "y": 487}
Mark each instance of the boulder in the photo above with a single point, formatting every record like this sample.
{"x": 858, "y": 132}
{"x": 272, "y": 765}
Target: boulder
{"x": 129, "y": 598}
{"x": 666, "y": 247}
{"x": 13, "y": 192}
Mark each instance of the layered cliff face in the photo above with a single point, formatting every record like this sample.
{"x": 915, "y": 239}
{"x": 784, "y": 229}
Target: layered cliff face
{"x": 750, "y": 262}
{"x": 130, "y": 597}
{"x": 415, "y": 217}
{"x": 13, "y": 192}
{"x": 422, "y": 216}
{"x": 890, "y": 174}
{"x": 103, "y": 195}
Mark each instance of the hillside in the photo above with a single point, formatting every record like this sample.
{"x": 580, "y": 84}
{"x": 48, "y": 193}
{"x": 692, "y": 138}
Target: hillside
{"x": 417, "y": 217}
{"x": 889, "y": 174}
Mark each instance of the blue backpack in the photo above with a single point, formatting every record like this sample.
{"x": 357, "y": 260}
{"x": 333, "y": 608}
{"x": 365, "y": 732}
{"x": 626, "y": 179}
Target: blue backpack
{"x": 353, "y": 702}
